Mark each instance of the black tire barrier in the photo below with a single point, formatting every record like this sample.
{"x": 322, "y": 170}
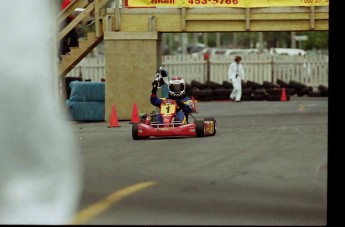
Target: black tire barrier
{"x": 206, "y": 99}
{"x": 258, "y": 97}
{"x": 247, "y": 91}
{"x": 304, "y": 91}
{"x": 291, "y": 91}
{"x": 282, "y": 83}
{"x": 188, "y": 86}
{"x": 198, "y": 84}
{"x": 269, "y": 85}
{"x": 276, "y": 97}
{"x": 243, "y": 84}
{"x": 199, "y": 94}
{"x": 296, "y": 85}
{"x": 221, "y": 97}
{"x": 222, "y": 91}
{"x": 259, "y": 92}
{"x": 315, "y": 94}
{"x": 246, "y": 97}
{"x": 277, "y": 91}
{"x": 227, "y": 84}
{"x": 324, "y": 90}
{"x": 253, "y": 85}
{"x": 213, "y": 85}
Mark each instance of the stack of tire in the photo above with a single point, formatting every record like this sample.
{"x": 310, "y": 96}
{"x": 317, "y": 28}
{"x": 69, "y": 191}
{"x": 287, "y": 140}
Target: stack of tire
{"x": 201, "y": 91}
{"x": 294, "y": 87}
{"x": 252, "y": 90}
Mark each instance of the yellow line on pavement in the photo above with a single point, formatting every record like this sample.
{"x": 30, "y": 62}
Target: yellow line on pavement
{"x": 301, "y": 108}
{"x": 99, "y": 207}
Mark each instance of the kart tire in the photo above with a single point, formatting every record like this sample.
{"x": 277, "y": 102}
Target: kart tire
{"x": 247, "y": 91}
{"x": 198, "y": 94}
{"x": 269, "y": 85}
{"x": 304, "y": 91}
{"x": 214, "y": 124}
{"x": 282, "y": 83}
{"x": 221, "y": 97}
{"x": 246, "y": 97}
{"x": 199, "y": 128}
{"x": 259, "y": 92}
{"x": 324, "y": 90}
{"x": 222, "y": 91}
{"x": 213, "y": 85}
{"x": 276, "y": 97}
{"x": 297, "y": 85}
{"x": 227, "y": 84}
{"x": 198, "y": 84}
{"x": 135, "y": 132}
{"x": 253, "y": 85}
{"x": 314, "y": 94}
{"x": 277, "y": 91}
{"x": 258, "y": 97}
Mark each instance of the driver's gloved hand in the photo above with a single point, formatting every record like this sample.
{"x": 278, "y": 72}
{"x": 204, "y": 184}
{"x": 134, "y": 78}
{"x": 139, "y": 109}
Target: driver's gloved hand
{"x": 180, "y": 104}
{"x": 154, "y": 87}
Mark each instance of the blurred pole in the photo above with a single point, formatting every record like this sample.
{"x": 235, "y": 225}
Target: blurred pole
{"x": 205, "y": 39}
{"x": 184, "y": 42}
{"x": 40, "y": 169}
{"x": 261, "y": 42}
{"x": 218, "y": 40}
{"x": 234, "y": 41}
{"x": 293, "y": 40}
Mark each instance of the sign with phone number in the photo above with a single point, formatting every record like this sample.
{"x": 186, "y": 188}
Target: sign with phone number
{"x": 223, "y": 3}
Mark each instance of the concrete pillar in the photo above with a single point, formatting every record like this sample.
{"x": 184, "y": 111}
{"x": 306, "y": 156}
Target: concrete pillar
{"x": 131, "y": 61}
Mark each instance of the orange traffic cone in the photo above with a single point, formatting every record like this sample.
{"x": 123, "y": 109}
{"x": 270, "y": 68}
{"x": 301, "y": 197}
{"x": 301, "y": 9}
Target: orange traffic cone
{"x": 194, "y": 105}
{"x": 113, "y": 118}
{"x": 283, "y": 96}
{"x": 135, "y": 115}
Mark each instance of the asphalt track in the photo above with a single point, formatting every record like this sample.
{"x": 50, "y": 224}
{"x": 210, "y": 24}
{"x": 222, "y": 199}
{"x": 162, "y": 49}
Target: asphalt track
{"x": 267, "y": 165}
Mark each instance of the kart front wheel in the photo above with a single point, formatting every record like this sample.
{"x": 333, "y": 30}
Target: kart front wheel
{"x": 135, "y": 135}
{"x": 135, "y": 131}
{"x": 200, "y": 128}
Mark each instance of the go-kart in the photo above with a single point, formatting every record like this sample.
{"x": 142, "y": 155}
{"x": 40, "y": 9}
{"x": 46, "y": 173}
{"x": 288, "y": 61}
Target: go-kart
{"x": 150, "y": 126}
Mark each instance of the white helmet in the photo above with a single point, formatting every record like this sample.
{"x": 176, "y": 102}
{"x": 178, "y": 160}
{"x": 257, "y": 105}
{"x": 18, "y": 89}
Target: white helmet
{"x": 177, "y": 87}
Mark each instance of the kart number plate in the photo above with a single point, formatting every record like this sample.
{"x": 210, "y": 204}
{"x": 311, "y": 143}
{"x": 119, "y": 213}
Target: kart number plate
{"x": 168, "y": 109}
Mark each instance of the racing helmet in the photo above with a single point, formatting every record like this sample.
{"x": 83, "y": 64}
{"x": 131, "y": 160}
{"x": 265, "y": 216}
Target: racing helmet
{"x": 177, "y": 87}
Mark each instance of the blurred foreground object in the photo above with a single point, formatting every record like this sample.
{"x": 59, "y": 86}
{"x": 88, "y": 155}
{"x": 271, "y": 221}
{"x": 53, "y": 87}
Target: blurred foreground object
{"x": 39, "y": 160}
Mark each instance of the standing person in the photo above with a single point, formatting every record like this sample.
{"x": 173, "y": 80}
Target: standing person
{"x": 71, "y": 39}
{"x": 236, "y": 75}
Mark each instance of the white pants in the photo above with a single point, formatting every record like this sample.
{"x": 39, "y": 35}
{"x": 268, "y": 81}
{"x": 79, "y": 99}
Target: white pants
{"x": 237, "y": 91}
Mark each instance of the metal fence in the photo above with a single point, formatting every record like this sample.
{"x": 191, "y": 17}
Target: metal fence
{"x": 310, "y": 70}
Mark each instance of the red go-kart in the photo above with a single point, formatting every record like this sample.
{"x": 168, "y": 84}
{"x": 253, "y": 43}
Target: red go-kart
{"x": 150, "y": 126}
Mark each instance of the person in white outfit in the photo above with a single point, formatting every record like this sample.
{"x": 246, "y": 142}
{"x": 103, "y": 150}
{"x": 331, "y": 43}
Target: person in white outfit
{"x": 236, "y": 75}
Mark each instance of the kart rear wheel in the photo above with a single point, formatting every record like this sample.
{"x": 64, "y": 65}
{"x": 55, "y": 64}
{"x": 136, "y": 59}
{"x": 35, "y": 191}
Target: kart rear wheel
{"x": 200, "y": 128}
{"x": 214, "y": 124}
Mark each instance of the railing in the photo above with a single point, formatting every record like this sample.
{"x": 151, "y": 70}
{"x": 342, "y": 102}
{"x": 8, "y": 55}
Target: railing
{"x": 95, "y": 7}
{"x": 310, "y": 70}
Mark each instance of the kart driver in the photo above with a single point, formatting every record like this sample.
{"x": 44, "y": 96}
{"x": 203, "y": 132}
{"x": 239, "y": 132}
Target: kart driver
{"x": 176, "y": 86}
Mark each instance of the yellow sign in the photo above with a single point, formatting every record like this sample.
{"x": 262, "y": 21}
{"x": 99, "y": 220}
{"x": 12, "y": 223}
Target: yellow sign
{"x": 168, "y": 109}
{"x": 223, "y": 3}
